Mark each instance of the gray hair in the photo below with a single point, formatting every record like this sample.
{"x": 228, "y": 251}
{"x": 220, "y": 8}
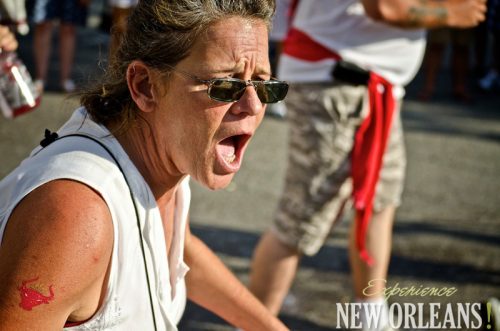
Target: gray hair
{"x": 160, "y": 33}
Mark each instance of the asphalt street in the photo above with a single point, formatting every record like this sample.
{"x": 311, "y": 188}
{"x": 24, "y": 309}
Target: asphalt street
{"x": 447, "y": 231}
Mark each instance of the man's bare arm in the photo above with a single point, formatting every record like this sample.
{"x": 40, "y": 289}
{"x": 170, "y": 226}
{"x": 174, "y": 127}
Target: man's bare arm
{"x": 427, "y": 13}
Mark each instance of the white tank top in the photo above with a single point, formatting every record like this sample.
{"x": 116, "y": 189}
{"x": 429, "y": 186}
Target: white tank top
{"x": 342, "y": 26}
{"x": 127, "y": 303}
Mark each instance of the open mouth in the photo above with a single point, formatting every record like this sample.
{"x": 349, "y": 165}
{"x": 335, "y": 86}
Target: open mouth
{"x": 230, "y": 152}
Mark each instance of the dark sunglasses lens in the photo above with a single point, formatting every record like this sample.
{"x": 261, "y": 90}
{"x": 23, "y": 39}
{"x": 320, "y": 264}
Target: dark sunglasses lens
{"x": 226, "y": 90}
{"x": 272, "y": 91}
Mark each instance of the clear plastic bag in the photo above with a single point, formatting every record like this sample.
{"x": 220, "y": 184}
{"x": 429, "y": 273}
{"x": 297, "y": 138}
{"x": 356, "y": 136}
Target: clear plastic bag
{"x": 18, "y": 94}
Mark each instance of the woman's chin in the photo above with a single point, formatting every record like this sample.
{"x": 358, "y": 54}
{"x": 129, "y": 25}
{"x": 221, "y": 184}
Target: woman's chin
{"x": 217, "y": 182}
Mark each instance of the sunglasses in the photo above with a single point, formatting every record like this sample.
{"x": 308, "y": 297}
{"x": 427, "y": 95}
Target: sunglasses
{"x": 232, "y": 89}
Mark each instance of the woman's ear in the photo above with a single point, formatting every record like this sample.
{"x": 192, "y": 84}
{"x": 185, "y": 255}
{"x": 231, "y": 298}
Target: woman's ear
{"x": 140, "y": 81}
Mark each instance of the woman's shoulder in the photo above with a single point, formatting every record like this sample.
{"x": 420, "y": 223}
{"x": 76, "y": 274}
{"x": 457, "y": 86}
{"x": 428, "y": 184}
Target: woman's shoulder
{"x": 60, "y": 234}
{"x": 65, "y": 209}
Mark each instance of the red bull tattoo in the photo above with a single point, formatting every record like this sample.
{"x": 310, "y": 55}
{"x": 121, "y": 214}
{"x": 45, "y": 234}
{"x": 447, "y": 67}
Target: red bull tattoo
{"x": 31, "y": 297}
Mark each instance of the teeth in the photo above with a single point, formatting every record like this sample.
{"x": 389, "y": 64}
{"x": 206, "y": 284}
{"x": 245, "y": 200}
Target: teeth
{"x": 230, "y": 158}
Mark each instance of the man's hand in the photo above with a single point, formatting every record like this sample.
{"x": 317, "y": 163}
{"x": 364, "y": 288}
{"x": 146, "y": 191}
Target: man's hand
{"x": 427, "y": 13}
{"x": 8, "y": 41}
{"x": 466, "y": 13}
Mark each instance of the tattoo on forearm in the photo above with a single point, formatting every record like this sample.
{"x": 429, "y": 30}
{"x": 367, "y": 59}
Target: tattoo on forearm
{"x": 31, "y": 296}
{"x": 427, "y": 11}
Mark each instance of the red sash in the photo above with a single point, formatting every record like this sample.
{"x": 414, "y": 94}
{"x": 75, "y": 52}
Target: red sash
{"x": 367, "y": 154}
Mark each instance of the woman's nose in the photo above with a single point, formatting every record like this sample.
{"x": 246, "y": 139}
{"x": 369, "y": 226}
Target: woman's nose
{"x": 249, "y": 103}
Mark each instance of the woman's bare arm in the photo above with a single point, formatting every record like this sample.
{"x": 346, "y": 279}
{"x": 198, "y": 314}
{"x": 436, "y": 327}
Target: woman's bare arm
{"x": 54, "y": 255}
{"x": 211, "y": 285}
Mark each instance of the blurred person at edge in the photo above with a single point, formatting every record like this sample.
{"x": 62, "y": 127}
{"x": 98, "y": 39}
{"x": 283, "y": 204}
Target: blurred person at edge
{"x": 94, "y": 224}
{"x": 489, "y": 71}
{"x": 349, "y": 62}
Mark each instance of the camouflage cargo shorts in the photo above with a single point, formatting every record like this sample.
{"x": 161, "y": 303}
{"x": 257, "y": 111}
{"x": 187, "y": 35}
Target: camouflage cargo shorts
{"x": 323, "y": 119}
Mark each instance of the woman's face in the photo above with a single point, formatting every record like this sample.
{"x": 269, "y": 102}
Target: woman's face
{"x": 202, "y": 137}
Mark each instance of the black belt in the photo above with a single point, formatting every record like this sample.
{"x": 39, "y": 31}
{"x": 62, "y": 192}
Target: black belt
{"x": 350, "y": 73}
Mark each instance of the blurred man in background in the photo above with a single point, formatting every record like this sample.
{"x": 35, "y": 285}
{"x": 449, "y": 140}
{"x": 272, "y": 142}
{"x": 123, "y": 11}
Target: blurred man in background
{"x": 348, "y": 62}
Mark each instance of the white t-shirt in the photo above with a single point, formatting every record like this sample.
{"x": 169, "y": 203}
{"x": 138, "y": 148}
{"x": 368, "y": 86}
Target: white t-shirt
{"x": 280, "y": 20}
{"x": 127, "y": 304}
{"x": 343, "y": 27}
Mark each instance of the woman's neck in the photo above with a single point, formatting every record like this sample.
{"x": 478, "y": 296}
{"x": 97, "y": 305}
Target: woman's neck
{"x": 143, "y": 151}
